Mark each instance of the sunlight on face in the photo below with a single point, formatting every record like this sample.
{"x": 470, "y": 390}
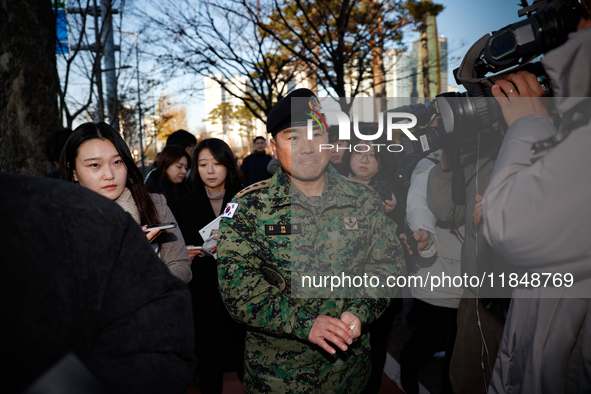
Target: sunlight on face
{"x": 300, "y": 157}
{"x": 99, "y": 167}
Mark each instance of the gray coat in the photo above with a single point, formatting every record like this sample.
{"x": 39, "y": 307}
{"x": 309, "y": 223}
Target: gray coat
{"x": 478, "y": 258}
{"x": 537, "y": 215}
{"x": 172, "y": 250}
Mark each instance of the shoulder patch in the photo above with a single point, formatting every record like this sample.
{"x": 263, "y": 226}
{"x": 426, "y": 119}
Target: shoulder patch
{"x": 229, "y": 211}
{"x": 360, "y": 183}
{"x": 255, "y": 186}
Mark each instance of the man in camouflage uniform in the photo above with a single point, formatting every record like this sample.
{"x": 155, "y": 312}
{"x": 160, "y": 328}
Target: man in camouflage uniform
{"x": 306, "y": 220}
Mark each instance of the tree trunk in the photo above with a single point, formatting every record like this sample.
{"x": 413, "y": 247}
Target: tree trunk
{"x": 313, "y": 77}
{"x": 29, "y": 92}
{"x": 425, "y": 58}
{"x": 377, "y": 57}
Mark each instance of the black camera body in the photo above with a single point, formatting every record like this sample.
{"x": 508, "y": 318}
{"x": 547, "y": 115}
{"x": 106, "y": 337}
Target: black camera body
{"x": 465, "y": 120}
{"x": 384, "y": 188}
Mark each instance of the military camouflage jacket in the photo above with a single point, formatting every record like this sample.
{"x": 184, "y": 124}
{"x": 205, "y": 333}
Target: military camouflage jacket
{"x": 276, "y": 236}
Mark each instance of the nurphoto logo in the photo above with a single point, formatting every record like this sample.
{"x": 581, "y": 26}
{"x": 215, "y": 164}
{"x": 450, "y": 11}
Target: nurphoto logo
{"x": 344, "y": 124}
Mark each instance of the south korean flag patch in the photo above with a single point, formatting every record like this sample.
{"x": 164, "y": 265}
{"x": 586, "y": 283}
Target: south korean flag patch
{"x": 230, "y": 209}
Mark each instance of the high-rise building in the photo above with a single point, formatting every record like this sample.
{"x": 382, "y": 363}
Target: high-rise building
{"x": 228, "y": 129}
{"x": 234, "y": 132}
{"x": 398, "y": 74}
{"x": 437, "y": 63}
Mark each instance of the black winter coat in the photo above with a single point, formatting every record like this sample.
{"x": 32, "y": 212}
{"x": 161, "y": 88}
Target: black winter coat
{"x": 219, "y": 339}
{"x": 156, "y": 184}
{"x": 78, "y": 275}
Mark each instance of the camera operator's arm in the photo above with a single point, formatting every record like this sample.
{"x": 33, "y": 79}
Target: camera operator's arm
{"x": 439, "y": 192}
{"x": 536, "y": 206}
{"x": 419, "y": 217}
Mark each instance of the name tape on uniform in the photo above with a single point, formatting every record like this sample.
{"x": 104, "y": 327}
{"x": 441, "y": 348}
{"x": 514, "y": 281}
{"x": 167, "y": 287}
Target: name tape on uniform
{"x": 283, "y": 229}
{"x": 230, "y": 209}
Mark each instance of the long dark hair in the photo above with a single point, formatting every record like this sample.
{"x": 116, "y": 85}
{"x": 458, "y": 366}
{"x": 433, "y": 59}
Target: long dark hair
{"x": 170, "y": 155}
{"x": 224, "y": 155}
{"x": 135, "y": 180}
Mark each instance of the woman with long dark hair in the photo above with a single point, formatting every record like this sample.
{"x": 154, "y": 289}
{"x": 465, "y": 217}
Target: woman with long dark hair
{"x": 219, "y": 341}
{"x": 169, "y": 177}
{"x": 96, "y": 157}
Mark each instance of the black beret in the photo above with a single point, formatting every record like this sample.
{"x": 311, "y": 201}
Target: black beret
{"x": 284, "y": 114}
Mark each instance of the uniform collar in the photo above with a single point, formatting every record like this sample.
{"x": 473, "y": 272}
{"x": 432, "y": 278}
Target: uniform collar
{"x": 337, "y": 188}
{"x": 280, "y": 188}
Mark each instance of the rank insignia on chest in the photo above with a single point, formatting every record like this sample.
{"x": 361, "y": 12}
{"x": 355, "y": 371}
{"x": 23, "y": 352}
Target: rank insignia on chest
{"x": 351, "y": 223}
{"x": 283, "y": 229}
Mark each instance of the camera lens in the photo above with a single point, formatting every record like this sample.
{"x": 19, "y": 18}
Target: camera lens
{"x": 475, "y": 110}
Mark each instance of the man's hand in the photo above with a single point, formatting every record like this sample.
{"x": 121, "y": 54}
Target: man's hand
{"x": 422, "y": 237}
{"x": 352, "y": 321}
{"x": 336, "y": 331}
{"x": 389, "y": 205}
{"x": 519, "y": 95}
{"x": 477, "y": 214}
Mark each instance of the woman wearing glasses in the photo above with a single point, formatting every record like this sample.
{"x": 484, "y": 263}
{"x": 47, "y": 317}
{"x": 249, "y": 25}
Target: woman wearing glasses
{"x": 374, "y": 165}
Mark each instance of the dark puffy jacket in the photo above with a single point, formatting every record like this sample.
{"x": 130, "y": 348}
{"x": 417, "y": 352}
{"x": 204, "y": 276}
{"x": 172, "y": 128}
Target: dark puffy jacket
{"x": 78, "y": 275}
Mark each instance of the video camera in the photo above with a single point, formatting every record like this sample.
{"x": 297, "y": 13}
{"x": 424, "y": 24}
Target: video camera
{"x": 462, "y": 115}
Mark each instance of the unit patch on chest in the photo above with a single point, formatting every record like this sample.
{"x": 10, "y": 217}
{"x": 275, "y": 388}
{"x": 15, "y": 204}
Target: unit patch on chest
{"x": 351, "y": 223}
{"x": 283, "y": 229}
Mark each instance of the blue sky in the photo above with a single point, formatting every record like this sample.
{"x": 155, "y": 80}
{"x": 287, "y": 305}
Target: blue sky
{"x": 468, "y": 20}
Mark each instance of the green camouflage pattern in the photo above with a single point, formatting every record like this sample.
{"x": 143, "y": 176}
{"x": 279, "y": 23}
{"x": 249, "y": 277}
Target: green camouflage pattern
{"x": 257, "y": 273}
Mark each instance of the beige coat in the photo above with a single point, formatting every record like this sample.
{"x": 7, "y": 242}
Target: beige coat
{"x": 172, "y": 251}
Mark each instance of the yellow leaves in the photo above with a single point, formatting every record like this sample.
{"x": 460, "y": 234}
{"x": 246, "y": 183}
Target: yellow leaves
{"x": 171, "y": 117}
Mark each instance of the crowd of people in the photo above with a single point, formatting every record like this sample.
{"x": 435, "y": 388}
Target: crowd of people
{"x": 116, "y": 282}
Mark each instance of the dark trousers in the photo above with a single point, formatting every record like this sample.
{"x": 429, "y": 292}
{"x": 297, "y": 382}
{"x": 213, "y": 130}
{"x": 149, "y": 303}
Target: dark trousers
{"x": 435, "y": 331}
{"x": 472, "y": 362}
{"x": 219, "y": 340}
{"x": 379, "y": 331}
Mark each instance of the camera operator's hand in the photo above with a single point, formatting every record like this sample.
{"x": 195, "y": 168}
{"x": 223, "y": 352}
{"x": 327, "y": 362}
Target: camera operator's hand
{"x": 390, "y": 204}
{"x": 422, "y": 237}
{"x": 519, "y": 95}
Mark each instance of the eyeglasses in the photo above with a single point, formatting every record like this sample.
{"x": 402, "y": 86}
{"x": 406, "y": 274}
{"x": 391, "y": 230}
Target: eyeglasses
{"x": 368, "y": 155}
